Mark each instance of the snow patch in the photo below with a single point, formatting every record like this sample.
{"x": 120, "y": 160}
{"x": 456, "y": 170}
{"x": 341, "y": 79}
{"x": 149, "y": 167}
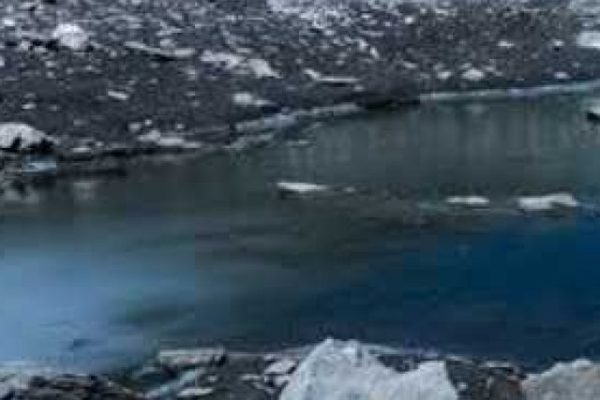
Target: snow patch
{"x": 337, "y": 370}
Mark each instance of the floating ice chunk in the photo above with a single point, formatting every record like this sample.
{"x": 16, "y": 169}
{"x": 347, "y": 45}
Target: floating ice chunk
{"x": 347, "y": 371}
{"x": 589, "y": 39}
{"x": 579, "y": 380}
{"x": 301, "y": 187}
{"x": 468, "y": 201}
{"x": 548, "y": 202}
{"x": 71, "y": 36}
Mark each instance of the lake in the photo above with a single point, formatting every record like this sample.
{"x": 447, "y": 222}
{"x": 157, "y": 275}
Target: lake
{"x": 99, "y": 274}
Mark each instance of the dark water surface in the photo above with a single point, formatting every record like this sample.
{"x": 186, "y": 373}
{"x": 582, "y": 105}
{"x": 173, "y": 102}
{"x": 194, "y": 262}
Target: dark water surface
{"x": 99, "y": 274}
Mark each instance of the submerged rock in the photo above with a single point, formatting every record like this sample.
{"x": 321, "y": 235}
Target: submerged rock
{"x": 338, "y": 370}
{"x": 578, "y": 380}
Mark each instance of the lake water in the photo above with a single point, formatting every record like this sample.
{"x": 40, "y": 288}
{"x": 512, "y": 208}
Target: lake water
{"x": 100, "y": 274}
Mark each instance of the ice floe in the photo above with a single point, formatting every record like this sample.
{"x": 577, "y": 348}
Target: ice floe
{"x": 468, "y": 201}
{"x": 548, "y": 202}
{"x": 300, "y": 187}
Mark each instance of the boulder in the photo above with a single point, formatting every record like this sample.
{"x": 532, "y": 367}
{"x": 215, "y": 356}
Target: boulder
{"x": 337, "y": 370}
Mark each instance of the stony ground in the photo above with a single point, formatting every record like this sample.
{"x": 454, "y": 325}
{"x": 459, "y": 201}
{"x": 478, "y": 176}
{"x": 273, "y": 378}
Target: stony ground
{"x": 190, "y": 66}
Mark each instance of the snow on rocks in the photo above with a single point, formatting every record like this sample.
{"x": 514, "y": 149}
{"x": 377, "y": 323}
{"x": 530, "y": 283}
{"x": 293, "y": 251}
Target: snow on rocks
{"x": 589, "y": 40}
{"x": 578, "y": 380}
{"x": 246, "y": 99}
{"x": 71, "y": 36}
{"x": 468, "y": 201}
{"x": 300, "y": 188}
{"x": 22, "y": 137}
{"x": 547, "y": 202}
{"x": 337, "y": 370}
{"x": 330, "y": 80}
{"x": 168, "y": 141}
{"x": 239, "y": 64}
{"x": 473, "y": 75}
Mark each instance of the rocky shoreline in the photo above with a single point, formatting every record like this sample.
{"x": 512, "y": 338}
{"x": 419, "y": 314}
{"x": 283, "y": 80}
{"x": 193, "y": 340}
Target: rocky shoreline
{"x": 332, "y": 370}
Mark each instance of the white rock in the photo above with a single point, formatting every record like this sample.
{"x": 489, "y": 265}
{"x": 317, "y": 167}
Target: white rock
{"x": 301, "y": 187}
{"x": 347, "y": 371}
{"x": 579, "y": 380}
{"x": 469, "y": 201}
{"x": 473, "y": 75}
{"x": 71, "y": 36}
{"x": 29, "y": 136}
{"x": 589, "y": 39}
{"x": 548, "y": 202}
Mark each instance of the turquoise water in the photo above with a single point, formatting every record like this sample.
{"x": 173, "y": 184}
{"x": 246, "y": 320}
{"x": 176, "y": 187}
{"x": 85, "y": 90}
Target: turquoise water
{"x": 99, "y": 274}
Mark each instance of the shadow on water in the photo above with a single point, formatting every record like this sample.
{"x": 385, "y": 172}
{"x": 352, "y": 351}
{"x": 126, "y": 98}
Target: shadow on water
{"x": 98, "y": 274}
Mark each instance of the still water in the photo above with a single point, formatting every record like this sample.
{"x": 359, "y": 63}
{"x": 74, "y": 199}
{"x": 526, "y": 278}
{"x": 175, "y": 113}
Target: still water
{"x": 99, "y": 274}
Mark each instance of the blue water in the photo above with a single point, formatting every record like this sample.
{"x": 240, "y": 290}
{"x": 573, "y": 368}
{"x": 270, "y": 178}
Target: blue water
{"x": 100, "y": 274}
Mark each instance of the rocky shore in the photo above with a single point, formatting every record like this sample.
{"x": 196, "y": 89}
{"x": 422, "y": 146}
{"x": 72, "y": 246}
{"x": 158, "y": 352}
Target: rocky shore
{"x": 127, "y": 77}
{"x": 116, "y": 70}
{"x": 332, "y": 370}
